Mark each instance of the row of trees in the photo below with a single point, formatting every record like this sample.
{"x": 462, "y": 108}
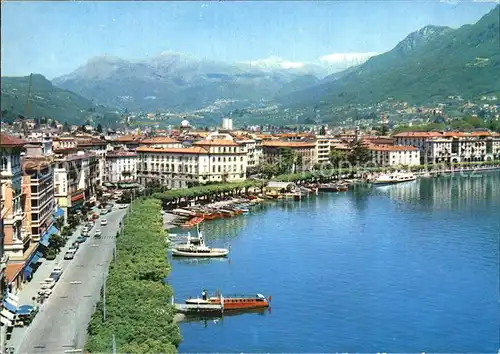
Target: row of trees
{"x": 138, "y": 309}
{"x": 289, "y": 162}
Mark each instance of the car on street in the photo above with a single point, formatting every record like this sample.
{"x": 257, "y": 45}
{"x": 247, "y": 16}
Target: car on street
{"x": 104, "y": 222}
{"x": 70, "y": 254}
{"x": 45, "y": 290}
{"x": 97, "y": 233}
{"x": 81, "y": 239}
{"x": 123, "y": 206}
{"x": 48, "y": 282}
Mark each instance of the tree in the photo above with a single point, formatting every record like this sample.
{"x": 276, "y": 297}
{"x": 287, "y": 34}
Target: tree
{"x": 99, "y": 128}
{"x": 359, "y": 154}
{"x": 66, "y": 127}
{"x": 322, "y": 131}
{"x": 338, "y": 158}
{"x": 286, "y": 160}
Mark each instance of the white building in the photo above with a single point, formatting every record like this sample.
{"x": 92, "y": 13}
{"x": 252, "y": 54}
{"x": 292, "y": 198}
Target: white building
{"x": 227, "y": 123}
{"x": 453, "y": 147}
{"x": 121, "y": 166}
{"x": 217, "y": 159}
{"x": 394, "y": 155}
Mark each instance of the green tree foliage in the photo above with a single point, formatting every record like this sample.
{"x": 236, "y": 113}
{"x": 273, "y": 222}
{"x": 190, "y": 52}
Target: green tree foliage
{"x": 359, "y": 154}
{"x": 99, "y": 128}
{"x": 138, "y": 308}
{"x": 337, "y": 157}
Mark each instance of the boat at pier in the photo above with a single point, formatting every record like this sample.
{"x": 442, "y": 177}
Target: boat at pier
{"x": 192, "y": 222}
{"x": 234, "y": 302}
{"x": 332, "y": 187}
{"x": 393, "y": 178}
{"x": 195, "y": 247}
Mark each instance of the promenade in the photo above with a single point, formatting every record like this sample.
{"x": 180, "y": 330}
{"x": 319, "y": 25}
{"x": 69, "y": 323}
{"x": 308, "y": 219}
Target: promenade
{"x": 61, "y": 324}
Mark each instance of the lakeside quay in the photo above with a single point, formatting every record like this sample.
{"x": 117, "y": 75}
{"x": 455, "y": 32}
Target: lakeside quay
{"x": 403, "y": 268}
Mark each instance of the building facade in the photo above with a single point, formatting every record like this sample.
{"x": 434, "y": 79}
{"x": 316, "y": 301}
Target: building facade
{"x": 121, "y": 166}
{"x": 390, "y": 155}
{"x": 452, "y": 147}
{"x": 272, "y": 150}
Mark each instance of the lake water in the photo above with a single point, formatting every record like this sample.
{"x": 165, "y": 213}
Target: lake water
{"x": 405, "y": 268}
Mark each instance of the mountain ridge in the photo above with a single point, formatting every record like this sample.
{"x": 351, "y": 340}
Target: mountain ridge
{"x": 427, "y": 65}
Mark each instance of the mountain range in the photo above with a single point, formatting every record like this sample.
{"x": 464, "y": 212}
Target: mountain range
{"x": 426, "y": 67}
{"x": 47, "y": 100}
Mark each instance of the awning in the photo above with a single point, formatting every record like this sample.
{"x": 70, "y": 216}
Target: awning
{"x": 59, "y": 212}
{"x": 53, "y": 230}
{"x": 45, "y": 240}
{"x": 27, "y": 271}
{"x": 5, "y": 321}
{"x": 9, "y": 307}
{"x": 24, "y": 310}
{"x": 77, "y": 197}
{"x": 7, "y": 314}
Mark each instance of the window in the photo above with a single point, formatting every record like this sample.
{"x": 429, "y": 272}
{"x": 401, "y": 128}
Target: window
{"x": 4, "y": 163}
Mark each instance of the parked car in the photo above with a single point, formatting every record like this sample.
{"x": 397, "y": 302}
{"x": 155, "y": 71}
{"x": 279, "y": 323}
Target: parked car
{"x": 70, "y": 254}
{"x": 104, "y": 222}
{"x": 123, "y": 206}
{"x": 97, "y": 233}
{"x": 45, "y": 290}
{"x": 48, "y": 282}
{"x": 81, "y": 239}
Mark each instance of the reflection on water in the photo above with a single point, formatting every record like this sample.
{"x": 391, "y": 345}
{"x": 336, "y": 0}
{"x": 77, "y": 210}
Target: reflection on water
{"x": 219, "y": 319}
{"x": 451, "y": 192}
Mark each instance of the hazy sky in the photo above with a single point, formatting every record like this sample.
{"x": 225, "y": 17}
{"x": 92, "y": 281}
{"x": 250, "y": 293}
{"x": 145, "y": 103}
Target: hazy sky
{"x": 54, "y": 38}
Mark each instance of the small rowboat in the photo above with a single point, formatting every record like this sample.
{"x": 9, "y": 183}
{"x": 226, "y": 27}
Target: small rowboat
{"x": 192, "y": 222}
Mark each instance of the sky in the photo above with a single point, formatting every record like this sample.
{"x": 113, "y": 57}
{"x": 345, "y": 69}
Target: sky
{"x": 54, "y": 38}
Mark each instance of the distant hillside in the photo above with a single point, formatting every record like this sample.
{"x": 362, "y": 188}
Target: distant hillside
{"x": 427, "y": 66}
{"x": 47, "y": 100}
{"x": 175, "y": 81}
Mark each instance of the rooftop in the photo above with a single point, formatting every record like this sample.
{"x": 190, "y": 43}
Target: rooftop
{"x": 290, "y": 144}
{"x": 185, "y": 150}
{"x": 215, "y": 142}
{"x": 9, "y": 140}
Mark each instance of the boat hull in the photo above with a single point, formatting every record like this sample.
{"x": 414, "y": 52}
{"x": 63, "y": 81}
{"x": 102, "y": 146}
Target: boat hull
{"x": 211, "y": 254}
{"x": 232, "y": 304}
{"x": 386, "y": 183}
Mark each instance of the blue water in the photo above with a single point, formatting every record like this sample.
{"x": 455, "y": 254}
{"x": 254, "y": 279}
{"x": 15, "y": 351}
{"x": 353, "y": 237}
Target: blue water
{"x": 404, "y": 268}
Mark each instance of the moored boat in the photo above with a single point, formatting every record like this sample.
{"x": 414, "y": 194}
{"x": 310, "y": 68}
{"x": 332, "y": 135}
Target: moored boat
{"x": 332, "y": 187}
{"x": 195, "y": 247}
{"x": 234, "y": 302}
{"x": 392, "y": 178}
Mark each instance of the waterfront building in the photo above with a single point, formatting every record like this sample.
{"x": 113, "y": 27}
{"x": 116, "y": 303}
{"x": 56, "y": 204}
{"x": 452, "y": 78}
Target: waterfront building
{"x": 121, "y": 166}
{"x": 324, "y": 146}
{"x": 452, "y": 147}
{"x": 306, "y": 150}
{"x": 215, "y": 159}
{"x": 394, "y": 155}
{"x": 252, "y": 147}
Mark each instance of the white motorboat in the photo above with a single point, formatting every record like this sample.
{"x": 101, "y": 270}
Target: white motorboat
{"x": 195, "y": 247}
{"x": 396, "y": 177}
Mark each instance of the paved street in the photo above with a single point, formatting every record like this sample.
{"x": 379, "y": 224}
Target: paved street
{"x": 61, "y": 324}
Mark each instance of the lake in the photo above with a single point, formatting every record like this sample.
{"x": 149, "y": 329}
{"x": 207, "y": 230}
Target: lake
{"x": 412, "y": 267}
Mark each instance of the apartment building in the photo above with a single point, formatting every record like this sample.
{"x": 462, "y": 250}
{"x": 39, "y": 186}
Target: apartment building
{"x": 39, "y": 175}
{"x": 394, "y": 155}
{"x": 75, "y": 179}
{"x": 16, "y": 233}
{"x": 324, "y": 146}
{"x": 253, "y": 147}
{"x": 63, "y": 142}
{"x": 436, "y": 147}
{"x": 305, "y": 149}
{"x": 121, "y": 166}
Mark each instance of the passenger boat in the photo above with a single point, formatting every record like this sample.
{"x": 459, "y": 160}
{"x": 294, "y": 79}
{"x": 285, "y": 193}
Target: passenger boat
{"x": 392, "y": 178}
{"x": 234, "y": 302}
{"x": 195, "y": 247}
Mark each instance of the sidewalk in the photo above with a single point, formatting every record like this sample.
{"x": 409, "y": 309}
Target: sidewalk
{"x": 30, "y": 289}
